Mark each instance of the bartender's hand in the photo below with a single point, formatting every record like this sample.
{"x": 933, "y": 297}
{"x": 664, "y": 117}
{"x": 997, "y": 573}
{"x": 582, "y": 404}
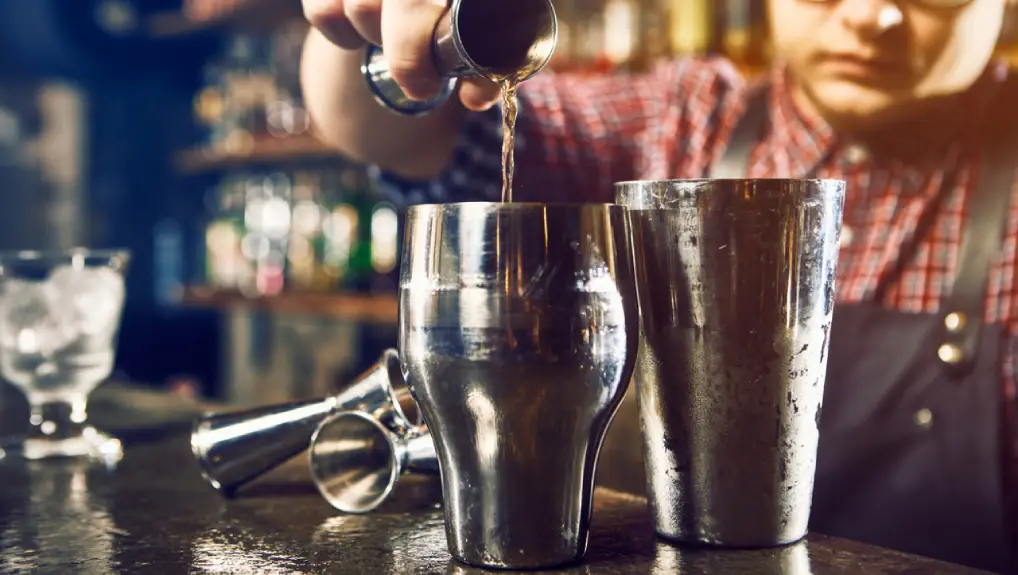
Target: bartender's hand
{"x": 403, "y": 28}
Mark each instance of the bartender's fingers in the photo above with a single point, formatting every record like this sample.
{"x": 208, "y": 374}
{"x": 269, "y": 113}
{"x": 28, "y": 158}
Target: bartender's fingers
{"x": 329, "y": 18}
{"x": 478, "y": 94}
{"x": 407, "y": 28}
{"x": 366, "y": 18}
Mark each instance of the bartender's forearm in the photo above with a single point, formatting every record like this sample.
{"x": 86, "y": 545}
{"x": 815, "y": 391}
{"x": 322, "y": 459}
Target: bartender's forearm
{"x": 348, "y": 118}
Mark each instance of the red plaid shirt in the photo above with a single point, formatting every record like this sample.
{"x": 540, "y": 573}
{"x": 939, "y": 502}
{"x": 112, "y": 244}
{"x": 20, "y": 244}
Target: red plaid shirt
{"x": 579, "y": 135}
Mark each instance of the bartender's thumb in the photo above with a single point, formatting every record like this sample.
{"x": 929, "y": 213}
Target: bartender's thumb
{"x": 478, "y": 94}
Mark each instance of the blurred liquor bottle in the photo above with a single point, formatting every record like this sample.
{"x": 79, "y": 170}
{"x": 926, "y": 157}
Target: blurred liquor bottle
{"x": 622, "y": 34}
{"x": 691, "y": 27}
{"x": 562, "y": 58}
{"x": 339, "y": 229}
{"x": 743, "y": 28}
{"x": 305, "y": 257}
{"x": 358, "y": 245}
{"x": 225, "y": 266}
{"x": 1007, "y": 48}
{"x": 581, "y": 36}
{"x": 285, "y": 114}
{"x": 386, "y": 240}
{"x": 267, "y": 222}
{"x": 201, "y": 10}
{"x": 210, "y": 105}
{"x": 359, "y": 193}
{"x": 652, "y": 42}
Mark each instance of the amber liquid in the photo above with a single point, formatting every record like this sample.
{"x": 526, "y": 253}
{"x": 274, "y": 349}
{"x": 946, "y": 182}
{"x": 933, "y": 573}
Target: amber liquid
{"x": 501, "y": 36}
{"x": 510, "y": 109}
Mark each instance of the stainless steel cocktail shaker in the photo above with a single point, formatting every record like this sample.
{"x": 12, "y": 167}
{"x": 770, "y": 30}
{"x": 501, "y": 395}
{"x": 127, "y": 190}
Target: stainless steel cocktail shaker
{"x": 736, "y": 282}
{"x": 517, "y": 333}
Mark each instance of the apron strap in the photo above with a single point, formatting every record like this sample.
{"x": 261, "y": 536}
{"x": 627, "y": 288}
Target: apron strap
{"x": 982, "y": 239}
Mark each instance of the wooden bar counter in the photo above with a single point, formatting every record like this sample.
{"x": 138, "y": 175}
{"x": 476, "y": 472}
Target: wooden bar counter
{"x": 154, "y": 514}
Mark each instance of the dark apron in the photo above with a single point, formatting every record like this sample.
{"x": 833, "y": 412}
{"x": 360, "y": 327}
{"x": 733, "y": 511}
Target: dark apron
{"x": 911, "y": 443}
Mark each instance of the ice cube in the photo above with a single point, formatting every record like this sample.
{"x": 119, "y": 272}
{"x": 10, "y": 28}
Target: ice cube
{"x": 90, "y": 298}
{"x": 30, "y": 319}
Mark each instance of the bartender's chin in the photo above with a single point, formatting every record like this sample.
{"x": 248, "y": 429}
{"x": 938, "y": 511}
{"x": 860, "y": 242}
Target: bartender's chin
{"x": 847, "y": 105}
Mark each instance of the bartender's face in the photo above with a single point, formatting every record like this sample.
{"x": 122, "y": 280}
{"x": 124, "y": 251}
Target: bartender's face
{"x": 873, "y": 60}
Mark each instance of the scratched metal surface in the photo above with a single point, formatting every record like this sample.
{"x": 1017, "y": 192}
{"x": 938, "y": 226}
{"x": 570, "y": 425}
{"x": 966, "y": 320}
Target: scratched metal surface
{"x": 736, "y": 300}
{"x": 154, "y": 514}
{"x": 518, "y": 342}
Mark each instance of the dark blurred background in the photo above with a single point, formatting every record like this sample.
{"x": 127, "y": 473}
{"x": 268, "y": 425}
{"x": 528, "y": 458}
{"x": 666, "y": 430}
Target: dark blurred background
{"x": 264, "y": 264}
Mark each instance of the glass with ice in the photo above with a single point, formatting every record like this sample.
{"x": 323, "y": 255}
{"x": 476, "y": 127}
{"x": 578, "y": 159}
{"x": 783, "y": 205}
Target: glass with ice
{"x": 59, "y": 318}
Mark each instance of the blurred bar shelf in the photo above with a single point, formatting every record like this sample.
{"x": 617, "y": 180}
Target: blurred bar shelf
{"x": 264, "y": 150}
{"x": 375, "y": 309}
{"x": 243, "y": 15}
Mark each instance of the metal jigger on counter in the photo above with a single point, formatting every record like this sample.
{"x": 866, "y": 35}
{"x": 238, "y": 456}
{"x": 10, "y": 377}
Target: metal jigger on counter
{"x": 518, "y": 334}
{"x": 356, "y": 461}
{"x": 485, "y": 38}
{"x": 235, "y": 448}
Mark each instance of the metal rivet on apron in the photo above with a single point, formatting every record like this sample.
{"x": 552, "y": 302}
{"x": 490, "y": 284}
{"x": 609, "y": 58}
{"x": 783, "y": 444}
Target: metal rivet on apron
{"x": 846, "y": 237}
{"x": 923, "y": 418}
{"x": 954, "y": 321}
{"x": 950, "y": 353}
{"x": 856, "y": 154}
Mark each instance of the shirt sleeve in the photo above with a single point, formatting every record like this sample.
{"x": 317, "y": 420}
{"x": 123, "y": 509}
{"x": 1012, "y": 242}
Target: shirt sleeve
{"x": 577, "y": 135}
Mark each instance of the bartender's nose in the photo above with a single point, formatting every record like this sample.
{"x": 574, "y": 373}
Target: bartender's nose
{"x": 870, "y": 18}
